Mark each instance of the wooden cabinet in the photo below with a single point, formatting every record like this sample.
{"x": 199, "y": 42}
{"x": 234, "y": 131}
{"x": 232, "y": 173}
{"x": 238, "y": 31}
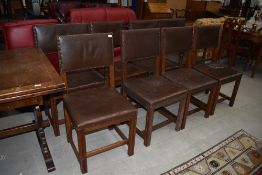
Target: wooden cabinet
{"x": 195, "y": 9}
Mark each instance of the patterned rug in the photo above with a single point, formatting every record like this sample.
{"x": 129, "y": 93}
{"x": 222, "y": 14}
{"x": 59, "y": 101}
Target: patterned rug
{"x": 240, "y": 154}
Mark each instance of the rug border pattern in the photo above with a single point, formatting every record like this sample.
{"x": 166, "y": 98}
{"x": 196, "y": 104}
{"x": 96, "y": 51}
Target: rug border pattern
{"x": 208, "y": 152}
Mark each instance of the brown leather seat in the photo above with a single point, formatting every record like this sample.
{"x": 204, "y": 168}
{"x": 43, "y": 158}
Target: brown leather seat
{"x": 162, "y": 92}
{"x": 193, "y": 80}
{"x": 88, "y": 109}
{"x": 99, "y": 111}
{"x": 153, "y": 92}
{"x": 221, "y": 73}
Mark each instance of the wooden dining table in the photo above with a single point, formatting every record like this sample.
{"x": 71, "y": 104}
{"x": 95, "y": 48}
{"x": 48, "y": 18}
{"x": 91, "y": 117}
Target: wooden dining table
{"x": 27, "y": 78}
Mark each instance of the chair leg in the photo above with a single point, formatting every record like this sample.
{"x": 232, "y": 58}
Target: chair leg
{"x": 68, "y": 125}
{"x": 181, "y": 114}
{"x": 148, "y": 128}
{"x": 183, "y": 124}
{"x": 216, "y": 96}
{"x": 131, "y": 137}
{"x": 234, "y": 93}
{"x": 210, "y": 102}
{"x": 82, "y": 151}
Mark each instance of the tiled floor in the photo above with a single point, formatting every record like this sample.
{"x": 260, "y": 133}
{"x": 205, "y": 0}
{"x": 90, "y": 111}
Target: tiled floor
{"x": 20, "y": 155}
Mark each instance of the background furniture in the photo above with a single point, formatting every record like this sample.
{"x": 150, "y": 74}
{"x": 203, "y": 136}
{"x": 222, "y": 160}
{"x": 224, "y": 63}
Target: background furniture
{"x": 83, "y": 15}
{"x": 60, "y": 9}
{"x": 195, "y": 9}
{"x": 19, "y": 34}
{"x": 236, "y": 8}
{"x": 232, "y": 43}
{"x": 157, "y": 11}
{"x": 256, "y": 39}
{"x": 15, "y": 66}
{"x": 91, "y": 109}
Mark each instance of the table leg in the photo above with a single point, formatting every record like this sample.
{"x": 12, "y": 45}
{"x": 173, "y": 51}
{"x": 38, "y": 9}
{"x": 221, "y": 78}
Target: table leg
{"x": 55, "y": 122}
{"x": 42, "y": 141}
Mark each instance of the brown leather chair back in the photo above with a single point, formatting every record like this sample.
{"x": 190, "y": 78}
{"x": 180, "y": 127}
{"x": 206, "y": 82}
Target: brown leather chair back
{"x": 177, "y": 22}
{"x": 143, "y": 24}
{"x": 140, "y": 44}
{"x": 207, "y": 36}
{"x": 171, "y": 46}
{"x": 46, "y": 35}
{"x": 113, "y": 27}
{"x": 171, "y": 39}
{"x": 85, "y": 53}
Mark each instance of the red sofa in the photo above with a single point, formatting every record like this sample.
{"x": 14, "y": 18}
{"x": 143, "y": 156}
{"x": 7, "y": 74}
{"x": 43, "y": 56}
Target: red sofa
{"x": 83, "y": 15}
{"x": 19, "y": 34}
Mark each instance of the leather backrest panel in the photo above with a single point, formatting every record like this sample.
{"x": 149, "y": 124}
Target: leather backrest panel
{"x": 85, "y": 51}
{"x": 144, "y": 24}
{"x": 140, "y": 43}
{"x": 46, "y": 36}
{"x": 207, "y": 36}
{"x": 176, "y": 39}
{"x": 112, "y": 27}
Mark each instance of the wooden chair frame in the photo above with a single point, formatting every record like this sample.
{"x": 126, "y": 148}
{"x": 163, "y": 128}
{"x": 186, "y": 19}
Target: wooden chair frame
{"x": 216, "y": 53}
{"x": 171, "y": 118}
{"x": 81, "y": 153}
{"x": 200, "y": 105}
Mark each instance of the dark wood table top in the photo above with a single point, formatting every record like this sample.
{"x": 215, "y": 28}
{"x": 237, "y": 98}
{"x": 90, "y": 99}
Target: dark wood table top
{"x": 26, "y": 73}
{"x": 254, "y": 37}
